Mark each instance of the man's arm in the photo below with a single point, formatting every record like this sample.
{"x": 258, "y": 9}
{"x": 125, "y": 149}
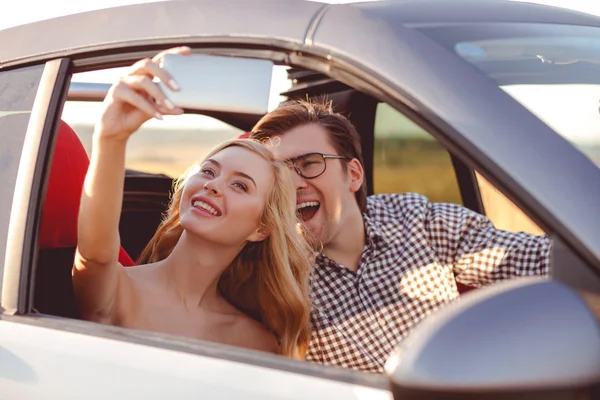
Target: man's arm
{"x": 478, "y": 253}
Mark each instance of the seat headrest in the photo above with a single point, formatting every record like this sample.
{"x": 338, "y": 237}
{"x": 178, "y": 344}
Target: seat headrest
{"x": 67, "y": 173}
{"x": 61, "y": 208}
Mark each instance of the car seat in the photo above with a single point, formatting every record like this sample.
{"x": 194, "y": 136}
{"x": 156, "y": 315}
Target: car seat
{"x": 58, "y": 232}
{"x": 145, "y": 199}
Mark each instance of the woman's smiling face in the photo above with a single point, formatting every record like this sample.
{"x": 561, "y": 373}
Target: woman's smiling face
{"x": 224, "y": 201}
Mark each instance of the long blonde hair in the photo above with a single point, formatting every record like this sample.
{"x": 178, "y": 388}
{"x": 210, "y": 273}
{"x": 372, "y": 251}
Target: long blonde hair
{"x": 268, "y": 280}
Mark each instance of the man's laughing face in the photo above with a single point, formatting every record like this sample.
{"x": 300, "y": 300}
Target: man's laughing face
{"x": 322, "y": 202}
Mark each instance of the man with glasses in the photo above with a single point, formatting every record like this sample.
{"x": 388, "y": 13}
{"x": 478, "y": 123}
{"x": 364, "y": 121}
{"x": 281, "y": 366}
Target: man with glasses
{"x": 386, "y": 261}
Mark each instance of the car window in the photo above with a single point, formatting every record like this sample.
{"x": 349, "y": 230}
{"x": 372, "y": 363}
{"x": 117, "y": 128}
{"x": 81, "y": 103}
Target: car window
{"x": 18, "y": 89}
{"x": 162, "y": 147}
{"x": 408, "y": 159}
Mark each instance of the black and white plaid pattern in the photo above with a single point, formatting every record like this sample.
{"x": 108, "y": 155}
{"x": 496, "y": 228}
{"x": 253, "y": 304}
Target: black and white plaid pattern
{"x": 416, "y": 251}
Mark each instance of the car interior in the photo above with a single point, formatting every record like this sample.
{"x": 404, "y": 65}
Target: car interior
{"x": 147, "y": 194}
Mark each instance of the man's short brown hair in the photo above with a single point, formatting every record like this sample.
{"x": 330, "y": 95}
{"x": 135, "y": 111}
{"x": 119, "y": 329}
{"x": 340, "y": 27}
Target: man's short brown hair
{"x": 342, "y": 134}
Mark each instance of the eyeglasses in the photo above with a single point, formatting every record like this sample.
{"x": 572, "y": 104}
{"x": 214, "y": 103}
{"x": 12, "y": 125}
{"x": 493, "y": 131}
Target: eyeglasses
{"x": 311, "y": 165}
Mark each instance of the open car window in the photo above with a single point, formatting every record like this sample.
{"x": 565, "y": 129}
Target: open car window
{"x": 166, "y": 147}
{"x": 408, "y": 159}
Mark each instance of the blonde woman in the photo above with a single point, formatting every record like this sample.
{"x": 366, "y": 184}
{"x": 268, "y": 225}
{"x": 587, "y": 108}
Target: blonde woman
{"x": 226, "y": 264}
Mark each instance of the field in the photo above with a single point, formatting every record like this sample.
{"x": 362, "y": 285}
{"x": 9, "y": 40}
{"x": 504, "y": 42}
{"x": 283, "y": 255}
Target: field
{"x": 409, "y": 163}
{"x": 401, "y": 164}
{"x": 414, "y": 165}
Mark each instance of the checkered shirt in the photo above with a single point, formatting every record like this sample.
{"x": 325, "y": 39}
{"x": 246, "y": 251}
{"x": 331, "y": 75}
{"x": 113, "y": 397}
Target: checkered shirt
{"x": 415, "y": 253}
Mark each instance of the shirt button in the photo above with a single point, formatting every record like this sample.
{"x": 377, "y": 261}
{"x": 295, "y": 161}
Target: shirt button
{"x": 381, "y": 322}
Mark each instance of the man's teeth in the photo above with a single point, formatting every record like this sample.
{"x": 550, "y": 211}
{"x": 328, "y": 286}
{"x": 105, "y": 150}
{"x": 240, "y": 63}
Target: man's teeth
{"x": 307, "y": 204}
{"x": 202, "y": 204}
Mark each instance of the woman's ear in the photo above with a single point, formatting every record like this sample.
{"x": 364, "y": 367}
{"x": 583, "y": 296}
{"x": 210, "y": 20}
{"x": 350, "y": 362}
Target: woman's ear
{"x": 260, "y": 234}
{"x": 356, "y": 174}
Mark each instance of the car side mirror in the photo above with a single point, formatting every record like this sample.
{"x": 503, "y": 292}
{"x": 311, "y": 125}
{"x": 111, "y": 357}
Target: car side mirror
{"x": 530, "y": 338}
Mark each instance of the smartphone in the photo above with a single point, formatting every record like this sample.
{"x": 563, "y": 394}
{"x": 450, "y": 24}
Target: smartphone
{"x": 218, "y": 83}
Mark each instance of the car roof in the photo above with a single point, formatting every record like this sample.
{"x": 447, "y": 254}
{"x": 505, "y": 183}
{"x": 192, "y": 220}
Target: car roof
{"x": 233, "y": 20}
{"x": 476, "y": 11}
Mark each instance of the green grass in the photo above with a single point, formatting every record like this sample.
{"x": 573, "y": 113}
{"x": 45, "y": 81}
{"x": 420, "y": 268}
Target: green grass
{"x": 415, "y": 165}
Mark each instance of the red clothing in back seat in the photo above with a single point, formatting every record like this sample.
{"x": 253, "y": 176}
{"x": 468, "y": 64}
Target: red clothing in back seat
{"x": 67, "y": 173}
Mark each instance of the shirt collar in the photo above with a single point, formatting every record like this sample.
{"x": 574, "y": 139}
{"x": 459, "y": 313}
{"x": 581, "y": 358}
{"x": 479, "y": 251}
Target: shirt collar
{"x": 373, "y": 233}
{"x": 373, "y": 236}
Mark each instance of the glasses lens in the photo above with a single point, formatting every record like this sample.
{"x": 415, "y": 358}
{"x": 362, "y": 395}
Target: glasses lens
{"x": 310, "y": 165}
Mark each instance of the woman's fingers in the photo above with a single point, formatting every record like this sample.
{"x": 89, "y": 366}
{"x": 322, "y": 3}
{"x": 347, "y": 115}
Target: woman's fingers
{"x": 123, "y": 91}
{"x": 167, "y": 78}
{"x": 183, "y": 50}
{"x": 139, "y": 90}
{"x": 168, "y": 111}
{"x": 150, "y": 69}
{"x": 144, "y": 85}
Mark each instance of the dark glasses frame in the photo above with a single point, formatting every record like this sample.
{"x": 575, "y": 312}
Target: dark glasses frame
{"x": 292, "y": 163}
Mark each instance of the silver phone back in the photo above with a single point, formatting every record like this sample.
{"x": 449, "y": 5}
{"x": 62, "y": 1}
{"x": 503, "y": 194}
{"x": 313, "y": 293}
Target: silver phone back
{"x": 218, "y": 83}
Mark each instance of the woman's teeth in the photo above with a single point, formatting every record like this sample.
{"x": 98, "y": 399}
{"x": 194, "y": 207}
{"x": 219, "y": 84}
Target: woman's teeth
{"x": 207, "y": 207}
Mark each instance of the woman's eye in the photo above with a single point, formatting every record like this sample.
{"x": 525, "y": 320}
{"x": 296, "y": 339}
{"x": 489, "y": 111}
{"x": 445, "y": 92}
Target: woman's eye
{"x": 208, "y": 171}
{"x": 240, "y": 186}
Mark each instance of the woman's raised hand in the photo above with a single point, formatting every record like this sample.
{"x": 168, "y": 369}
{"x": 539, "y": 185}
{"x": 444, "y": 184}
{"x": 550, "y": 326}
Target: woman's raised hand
{"x": 135, "y": 98}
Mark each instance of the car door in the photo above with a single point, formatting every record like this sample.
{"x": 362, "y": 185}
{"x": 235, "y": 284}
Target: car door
{"x": 48, "y": 356}
{"x": 44, "y": 356}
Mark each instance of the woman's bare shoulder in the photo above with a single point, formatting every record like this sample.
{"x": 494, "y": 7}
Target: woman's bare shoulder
{"x": 145, "y": 277}
{"x": 252, "y": 334}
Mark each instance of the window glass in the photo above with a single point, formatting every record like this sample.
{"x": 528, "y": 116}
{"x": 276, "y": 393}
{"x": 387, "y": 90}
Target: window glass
{"x": 408, "y": 159}
{"x": 18, "y": 89}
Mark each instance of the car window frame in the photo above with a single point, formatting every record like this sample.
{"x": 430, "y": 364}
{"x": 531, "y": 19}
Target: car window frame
{"x": 20, "y": 114}
{"x": 23, "y": 265}
{"x": 30, "y": 188}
